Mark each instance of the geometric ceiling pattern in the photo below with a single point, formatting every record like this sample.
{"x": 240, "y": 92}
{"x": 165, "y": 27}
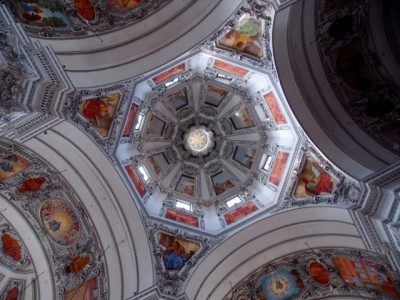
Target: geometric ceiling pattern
{"x": 230, "y": 112}
{"x": 193, "y": 180}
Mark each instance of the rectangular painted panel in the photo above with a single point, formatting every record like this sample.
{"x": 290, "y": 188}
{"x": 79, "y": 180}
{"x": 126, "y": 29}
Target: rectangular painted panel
{"x": 168, "y": 74}
{"x": 279, "y": 168}
{"x": 130, "y": 120}
{"x": 140, "y": 188}
{"x": 182, "y": 217}
{"x": 235, "y": 70}
{"x": 276, "y": 111}
{"x": 239, "y": 213}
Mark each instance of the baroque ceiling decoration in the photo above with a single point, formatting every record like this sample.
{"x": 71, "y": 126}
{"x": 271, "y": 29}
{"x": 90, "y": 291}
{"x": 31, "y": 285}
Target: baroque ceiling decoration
{"x": 26, "y": 70}
{"x": 200, "y": 131}
{"x": 224, "y": 94}
{"x": 17, "y": 267}
{"x": 320, "y": 274}
{"x": 61, "y": 224}
{"x": 206, "y": 145}
{"x": 176, "y": 253}
{"x": 364, "y": 86}
{"x": 59, "y": 18}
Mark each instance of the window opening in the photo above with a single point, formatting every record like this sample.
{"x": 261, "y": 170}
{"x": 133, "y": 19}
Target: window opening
{"x": 233, "y": 201}
{"x": 144, "y": 173}
{"x": 139, "y": 123}
{"x": 172, "y": 82}
{"x": 267, "y": 164}
{"x": 184, "y": 205}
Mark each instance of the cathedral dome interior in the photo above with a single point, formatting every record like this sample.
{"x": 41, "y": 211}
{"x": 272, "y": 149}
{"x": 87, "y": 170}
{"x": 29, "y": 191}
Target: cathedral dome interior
{"x": 199, "y": 150}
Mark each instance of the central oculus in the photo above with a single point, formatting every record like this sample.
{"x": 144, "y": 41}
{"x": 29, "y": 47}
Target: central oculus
{"x": 199, "y": 140}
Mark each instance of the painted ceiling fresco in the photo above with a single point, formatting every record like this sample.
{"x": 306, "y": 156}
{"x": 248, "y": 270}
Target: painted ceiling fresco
{"x": 209, "y": 137}
{"x": 319, "y": 274}
{"x": 60, "y": 18}
{"x": 205, "y": 144}
{"x": 61, "y": 224}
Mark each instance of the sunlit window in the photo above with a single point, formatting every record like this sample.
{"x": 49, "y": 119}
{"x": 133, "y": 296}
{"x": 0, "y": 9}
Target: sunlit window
{"x": 233, "y": 201}
{"x": 172, "y": 82}
{"x": 139, "y": 122}
{"x": 144, "y": 173}
{"x": 184, "y": 205}
{"x": 267, "y": 164}
{"x": 224, "y": 78}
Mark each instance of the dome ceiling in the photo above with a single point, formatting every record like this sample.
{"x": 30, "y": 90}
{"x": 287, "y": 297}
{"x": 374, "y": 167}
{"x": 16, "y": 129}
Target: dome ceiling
{"x": 206, "y": 135}
{"x": 175, "y": 182}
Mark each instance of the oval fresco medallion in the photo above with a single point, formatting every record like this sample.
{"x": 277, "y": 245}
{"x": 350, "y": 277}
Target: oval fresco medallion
{"x": 85, "y": 9}
{"x": 60, "y": 222}
{"x": 319, "y": 273}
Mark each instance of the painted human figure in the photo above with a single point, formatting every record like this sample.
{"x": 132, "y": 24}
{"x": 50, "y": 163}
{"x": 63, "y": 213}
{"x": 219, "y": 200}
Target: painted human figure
{"x": 12, "y": 294}
{"x": 11, "y": 247}
{"x": 31, "y": 185}
{"x": 28, "y": 7}
{"x": 175, "y": 257}
{"x": 318, "y": 185}
{"x": 7, "y": 167}
{"x": 54, "y": 225}
{"x": 95, "y": 109}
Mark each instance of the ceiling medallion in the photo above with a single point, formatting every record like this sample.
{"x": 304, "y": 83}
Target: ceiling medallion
{"x": 199, "y": 140}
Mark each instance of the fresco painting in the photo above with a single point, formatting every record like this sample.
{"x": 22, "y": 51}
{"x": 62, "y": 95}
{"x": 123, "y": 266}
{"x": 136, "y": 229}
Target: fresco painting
{"x": 11, "y": 164}
{"x": 239, "y": 213}
{"x": 14, "y": 290}
{"x": 122, "y": 6}
{"x": 182, "y": 217}
{"x": 246, "y": 37}
{"x": 178, "y": 99}
{"x": 140, "y": 188}
{"x": 159, "y": 162}
{"x": 100, "y": 111}
{"x": 13, "y": 294}
{"x": 245, "y": 155}
{"x": 77, "y": 264}
{"x": 215, "y": 95}
{"x": 156, "y": 126}
{"x": 129, "y": 122}
{"x": 85, "y": 9}
{"x": 186, "y": 185}
{"x": 170, "y": 73}
{"x": 221, "y": 183}
{"x": 279, "y": 168}
{"x": 366, "y": 274}
{"x": 87, "y": 291}
{"x": 31, "y": 185}
{"x": 42, "y": 13}
{"x": 276, "y": 111}
{"x": 242, "y": 119}
{"x": 319, "y": 273}
{"x": 314, "y": 181}
{"x": 229, "y": 68}
{"x": 176, "y": 251}
{"x": 281, "y": 284}
{"x": 60, "y": 222}
{"x": 11, "y": 247}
